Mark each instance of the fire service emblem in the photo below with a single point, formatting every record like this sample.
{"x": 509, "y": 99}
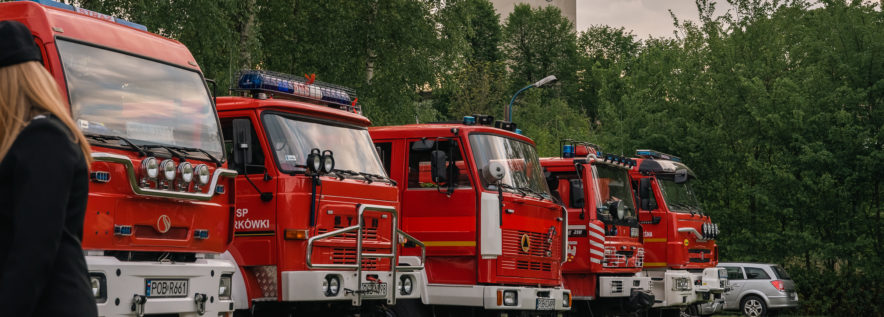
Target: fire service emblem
{"x": 526, "y": 243}
{"x": 164, "y": 223}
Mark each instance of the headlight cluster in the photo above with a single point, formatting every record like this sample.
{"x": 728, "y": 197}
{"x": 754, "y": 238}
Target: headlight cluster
{"x": 710, "y": 230}
{"x": 331, "y": 286}
{"x": 224, "y": 286}
{"x": 681, "y": 284}
{"x": 406, "y": 285}
{"x": 99, "y": 286}
{"x": 320, "y": 163}
{"x": 166, "y": 174}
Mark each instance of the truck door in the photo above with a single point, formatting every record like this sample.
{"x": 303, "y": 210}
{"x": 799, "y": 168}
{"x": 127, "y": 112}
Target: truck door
{"x": 445, "y": 222}
{"x": 654, "y": 224}
{"x": 255, "y": 216}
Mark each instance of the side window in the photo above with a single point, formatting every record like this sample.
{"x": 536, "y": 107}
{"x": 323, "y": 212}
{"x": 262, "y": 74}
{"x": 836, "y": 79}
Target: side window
{"x": 419, "y": 166}
{"x": 734, "y": 273}
{"x": 652, "y": 200}
{"x": 754, "y": 273}
{"x": 385, "y": 151}
{"x": 257, "y": 166}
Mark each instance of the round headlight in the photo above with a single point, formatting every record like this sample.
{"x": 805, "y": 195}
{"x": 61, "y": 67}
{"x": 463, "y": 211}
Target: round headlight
{"x": 314, "y": 161}
{"x": 328, "y": 161}
{"x": 407, "y": 285}
{"x": 168, "y": 168}
{"x": 186, "y": 171}
{"x": 703, "y": 230}
{"x": 334, "y": 285}
{"x": 202, "y": 174}
{"x": 325, "y": 286}
{"x": 150, "y": 167}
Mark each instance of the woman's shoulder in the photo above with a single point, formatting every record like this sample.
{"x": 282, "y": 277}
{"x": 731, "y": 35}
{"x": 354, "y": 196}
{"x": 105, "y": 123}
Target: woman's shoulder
{"x": 44, "y": 131}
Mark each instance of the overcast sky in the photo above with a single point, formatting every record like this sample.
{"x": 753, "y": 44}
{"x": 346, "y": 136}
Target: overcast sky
{"x": 643, "y": 17}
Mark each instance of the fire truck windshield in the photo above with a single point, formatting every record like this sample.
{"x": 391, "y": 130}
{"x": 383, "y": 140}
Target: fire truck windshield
{"x": 679, "y": 197}
{"x": 145, "y": 101}
{"x": 292, "y": 138}
{"x": 519, "y": 160}
{"x": 613, "y": 185}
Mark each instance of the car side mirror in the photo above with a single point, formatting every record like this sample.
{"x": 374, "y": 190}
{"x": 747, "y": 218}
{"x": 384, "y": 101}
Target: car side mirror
{"x": 644, "y": 193}
{"x": 438, "y": 170}
{"x": 242, "y": 142}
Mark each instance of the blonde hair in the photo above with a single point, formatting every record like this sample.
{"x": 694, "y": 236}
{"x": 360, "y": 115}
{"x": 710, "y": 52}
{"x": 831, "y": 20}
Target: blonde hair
{"x": 27, "y": 90}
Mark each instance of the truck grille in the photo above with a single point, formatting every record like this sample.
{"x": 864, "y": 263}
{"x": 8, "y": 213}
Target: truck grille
{"x": 148, "y": 232}
{"x": 368, "y": 234}
{"x": 348, "y": 256}
{"x": 539, "y": 243}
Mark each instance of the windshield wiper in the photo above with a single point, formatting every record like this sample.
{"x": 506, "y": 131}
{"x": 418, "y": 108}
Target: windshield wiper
{"x": 185, "y": 150}
{"x": 507, "y": 186}
{"x": 538, "y": 194}
{"x": 192, "y": 149}
{"x": 378, "y": 177}
{"x": 342, "y": 172}
{"x": 105, "y": 137}
{"x": 169, "y": 148}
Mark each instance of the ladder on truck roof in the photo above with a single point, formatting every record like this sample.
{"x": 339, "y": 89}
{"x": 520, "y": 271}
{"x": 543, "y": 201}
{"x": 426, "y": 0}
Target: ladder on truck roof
{"x": 394, "y": 259}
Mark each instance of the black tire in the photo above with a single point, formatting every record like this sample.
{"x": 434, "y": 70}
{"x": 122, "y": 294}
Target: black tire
{"x": 753, "y": 306}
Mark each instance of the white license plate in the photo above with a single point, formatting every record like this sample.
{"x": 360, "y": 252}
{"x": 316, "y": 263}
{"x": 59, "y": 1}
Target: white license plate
{"x": 165, "y": 288}
{"x": 546, "y": 304}
{"x": 374, "y": 289}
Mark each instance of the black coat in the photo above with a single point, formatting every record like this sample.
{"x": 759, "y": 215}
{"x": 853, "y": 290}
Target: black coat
{"x": 44, "y": 184}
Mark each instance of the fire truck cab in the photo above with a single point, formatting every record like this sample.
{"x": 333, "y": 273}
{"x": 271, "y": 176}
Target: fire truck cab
{"x": 317, "y": 218}
{"x": 680, "y": 250}
{"x": 476, "y": 196}
{"x": 160, "y": 202}
{"x": 605, "y": 250}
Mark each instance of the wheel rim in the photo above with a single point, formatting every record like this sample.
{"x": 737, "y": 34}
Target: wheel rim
{"x": 753, "y": 308}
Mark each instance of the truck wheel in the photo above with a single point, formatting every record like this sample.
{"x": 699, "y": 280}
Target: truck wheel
{"x": 753, "y": 306}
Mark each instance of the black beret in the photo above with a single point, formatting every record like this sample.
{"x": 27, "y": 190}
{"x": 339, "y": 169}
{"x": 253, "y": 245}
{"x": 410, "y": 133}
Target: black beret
{"x": 17, "y": 44}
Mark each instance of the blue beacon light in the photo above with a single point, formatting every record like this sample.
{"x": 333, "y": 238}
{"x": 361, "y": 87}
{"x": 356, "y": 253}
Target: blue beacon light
{"x": 469, "y": 120}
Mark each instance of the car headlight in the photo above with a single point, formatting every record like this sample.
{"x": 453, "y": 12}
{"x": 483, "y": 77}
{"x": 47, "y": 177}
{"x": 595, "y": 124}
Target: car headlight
{"x": 510, "y": 298}
{"x": 328, "y": 161}
{"x": 224, "y": 287}
{"x": 681, "y": 284}
{"x": 406, "y": 285}
{"x": 202, "y": 174}
{"x": 168, "y": 168}
{"x": 333, "y": 285}
{"x": 186, "y": 171}
{"x": 99, "y": 286}
{"x": 150, "y": 167}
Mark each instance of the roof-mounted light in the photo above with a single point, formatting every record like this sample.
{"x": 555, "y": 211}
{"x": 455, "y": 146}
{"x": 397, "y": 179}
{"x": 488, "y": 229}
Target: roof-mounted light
{"x": 285, "y": 85}
{"x": 90, "y": 13}
{"x": 656, "y": 155}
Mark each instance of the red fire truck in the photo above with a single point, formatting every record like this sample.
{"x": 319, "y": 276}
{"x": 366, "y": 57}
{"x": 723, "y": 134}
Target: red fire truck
{"x": 317, "y": 221}
{"x": 680, "y": 250}
{"x": 476, "y": 196}
{"x": 605, "y": 250}
{"x": 160, "y": 204}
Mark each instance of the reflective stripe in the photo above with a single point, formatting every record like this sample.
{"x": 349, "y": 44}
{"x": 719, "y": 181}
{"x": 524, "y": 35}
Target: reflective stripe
{"x": 597, "y": 236}
{"x": 596, "y": 252}
{"x": 596, "y": 244}
{"x": 450, "y": 243}
{"x": 573, "y": 227}
{"x": 597, "y": 261}
{"x": 596, "y": 227}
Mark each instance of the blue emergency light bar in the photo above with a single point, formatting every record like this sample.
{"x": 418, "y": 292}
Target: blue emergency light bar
{"x": 335, "y": 96}
{"x": 657, "y": 155}
{"x": 90, "y": 13}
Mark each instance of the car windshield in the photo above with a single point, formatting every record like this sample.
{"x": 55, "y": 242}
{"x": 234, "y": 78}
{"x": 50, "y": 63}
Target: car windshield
{"x": 679, "y": 197}
{"x": 613, "y": 185}
{"x": 147, "y": 102}
{"x": 519, "y": 160}
{"x": 293, "y": 138}
{"x": 780, "y": 272}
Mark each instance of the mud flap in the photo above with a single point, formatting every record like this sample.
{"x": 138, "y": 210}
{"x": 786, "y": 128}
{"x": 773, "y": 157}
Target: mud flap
{"x": 640, "y": 301}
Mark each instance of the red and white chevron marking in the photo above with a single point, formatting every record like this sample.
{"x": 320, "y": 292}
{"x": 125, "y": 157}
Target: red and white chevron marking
{"x": 596, "y": 243}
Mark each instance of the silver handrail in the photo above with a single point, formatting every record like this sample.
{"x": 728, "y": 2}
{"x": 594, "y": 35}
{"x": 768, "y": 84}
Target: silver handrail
{"x": 138, "y": 190}
{"x": 394, "y": 239}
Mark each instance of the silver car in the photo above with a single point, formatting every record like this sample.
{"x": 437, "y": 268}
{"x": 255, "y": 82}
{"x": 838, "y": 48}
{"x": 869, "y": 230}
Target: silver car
{"x": 758, "y": 289}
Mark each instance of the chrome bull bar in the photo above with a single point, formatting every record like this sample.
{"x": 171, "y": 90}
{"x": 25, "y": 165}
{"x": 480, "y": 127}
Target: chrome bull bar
{"x": 141, "y": 191}
{"x": 394, "y": 239}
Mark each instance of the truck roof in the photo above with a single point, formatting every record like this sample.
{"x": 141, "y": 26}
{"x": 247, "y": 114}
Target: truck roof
{"x": 290, "y": 106}
{"x": 439, "y": 129}
{"x": 48, "y": 22}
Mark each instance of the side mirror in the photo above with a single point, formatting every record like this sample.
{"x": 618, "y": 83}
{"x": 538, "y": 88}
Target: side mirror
{"x": 242, "y": 142}
{"x": 644, "y": 193}
{"x": 437, "y": 166}
{"x": 681, "y": 176}
{"x": 577, "y": 198}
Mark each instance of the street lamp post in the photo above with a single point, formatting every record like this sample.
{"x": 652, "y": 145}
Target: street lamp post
{"x": 544, "y": 81}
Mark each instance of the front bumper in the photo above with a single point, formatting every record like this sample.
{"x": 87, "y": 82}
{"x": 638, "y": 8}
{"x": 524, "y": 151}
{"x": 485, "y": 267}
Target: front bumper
{"x": 668, "y": 292}
{"x": 622, "y": 286}
{"x": 299, "y": 286}
{"x": 125, "y": 286}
